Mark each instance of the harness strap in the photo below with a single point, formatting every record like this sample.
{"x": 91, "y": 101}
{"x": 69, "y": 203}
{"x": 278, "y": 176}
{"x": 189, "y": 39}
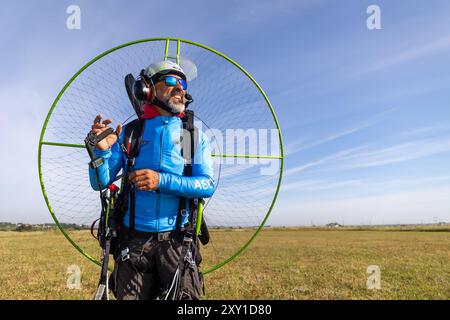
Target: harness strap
{"x": 189, "y": 140}
{"x": 184, "y": 258}
{"x": 132, "y": 209}
{"x": 132, "y": 138}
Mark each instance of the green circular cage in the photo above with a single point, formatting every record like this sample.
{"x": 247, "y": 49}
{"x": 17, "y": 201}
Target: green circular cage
{"x": 230, "y": 107}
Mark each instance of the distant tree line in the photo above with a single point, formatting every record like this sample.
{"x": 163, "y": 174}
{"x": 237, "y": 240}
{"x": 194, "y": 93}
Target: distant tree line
{"x": 8, "y": 226}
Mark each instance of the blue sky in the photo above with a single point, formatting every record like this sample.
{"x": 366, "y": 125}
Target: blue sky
{"x": 365, "y": 114}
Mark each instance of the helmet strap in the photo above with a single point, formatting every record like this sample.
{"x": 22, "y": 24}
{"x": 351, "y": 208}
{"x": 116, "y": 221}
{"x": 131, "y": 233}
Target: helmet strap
{"x": 162, "y": 105}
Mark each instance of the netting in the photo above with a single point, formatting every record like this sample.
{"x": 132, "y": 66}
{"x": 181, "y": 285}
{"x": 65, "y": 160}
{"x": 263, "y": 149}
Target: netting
{"x": 229, "y": 108}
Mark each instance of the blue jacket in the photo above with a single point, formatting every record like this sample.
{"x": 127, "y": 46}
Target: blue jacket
{"x": 160, "y": 151}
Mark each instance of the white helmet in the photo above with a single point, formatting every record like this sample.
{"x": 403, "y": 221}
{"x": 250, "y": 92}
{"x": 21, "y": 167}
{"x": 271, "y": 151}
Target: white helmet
{"x": 157, "y": 69}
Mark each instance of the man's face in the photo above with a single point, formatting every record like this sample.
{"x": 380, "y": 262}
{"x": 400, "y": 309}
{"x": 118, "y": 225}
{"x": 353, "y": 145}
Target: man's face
{"x": 173, "y": 96}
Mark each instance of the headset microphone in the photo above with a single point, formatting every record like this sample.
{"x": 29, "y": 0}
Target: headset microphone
{"x": 189, "y": 99}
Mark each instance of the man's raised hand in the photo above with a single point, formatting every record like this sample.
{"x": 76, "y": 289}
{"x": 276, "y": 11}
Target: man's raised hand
{"x": 98, "y": 127}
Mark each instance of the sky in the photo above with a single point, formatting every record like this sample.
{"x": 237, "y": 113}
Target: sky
{"x": 364, "y": 113}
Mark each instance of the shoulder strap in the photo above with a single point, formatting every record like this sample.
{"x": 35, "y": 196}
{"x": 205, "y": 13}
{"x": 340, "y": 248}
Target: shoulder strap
{"x": 189, "y": 141}
{"x": 132, "y": 137}
{"x": 131, "y": 143}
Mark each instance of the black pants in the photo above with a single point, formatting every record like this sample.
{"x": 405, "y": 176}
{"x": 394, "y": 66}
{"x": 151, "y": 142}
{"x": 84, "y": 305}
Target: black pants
{"x": 150, "y": 268}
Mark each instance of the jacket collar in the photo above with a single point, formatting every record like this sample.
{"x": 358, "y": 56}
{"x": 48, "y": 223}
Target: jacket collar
{"x": 150, "y": 112}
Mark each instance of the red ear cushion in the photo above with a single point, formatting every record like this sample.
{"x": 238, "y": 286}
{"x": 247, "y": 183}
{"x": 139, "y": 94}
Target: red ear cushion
{"x": 148, "y": 91}
{"x": 141, "y": 90}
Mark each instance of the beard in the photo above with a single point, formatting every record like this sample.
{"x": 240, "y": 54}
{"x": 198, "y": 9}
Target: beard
{"x": 175, "y": 107}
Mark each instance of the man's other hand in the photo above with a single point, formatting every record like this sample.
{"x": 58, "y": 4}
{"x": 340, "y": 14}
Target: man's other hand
{"x": 145, "y": 179}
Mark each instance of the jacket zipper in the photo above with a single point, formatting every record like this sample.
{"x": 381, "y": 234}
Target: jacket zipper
{"x": 158, "y": 200}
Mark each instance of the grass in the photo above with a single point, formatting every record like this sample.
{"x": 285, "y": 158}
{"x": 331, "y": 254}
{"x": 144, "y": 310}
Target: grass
{"x": 280, "y": 264}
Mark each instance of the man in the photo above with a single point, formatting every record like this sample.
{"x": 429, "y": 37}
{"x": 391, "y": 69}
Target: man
{"x": 150, "y": 245}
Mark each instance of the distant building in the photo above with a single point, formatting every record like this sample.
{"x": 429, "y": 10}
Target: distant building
{"x": 24, "y": 227}
{"x": 334, "y": 225}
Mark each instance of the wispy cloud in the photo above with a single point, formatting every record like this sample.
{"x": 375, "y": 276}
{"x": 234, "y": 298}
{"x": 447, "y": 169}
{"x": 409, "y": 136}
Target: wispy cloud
{"x": 349, "y": 159}
{"x": 437, "y": 45}
{"x": 372, "y": 186}
{"x": 323, "y": 161}
{"x": 425, "y": 131}
{"x": 397, "y": 153}
{"x": 317, "y": 185}
{"x": 301, "y": 144}
{"x": 408, "y": 183}
{"x": 342, "y": 73}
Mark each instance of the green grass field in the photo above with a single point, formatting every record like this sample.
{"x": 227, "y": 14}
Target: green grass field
{"x": 280, "y": 264}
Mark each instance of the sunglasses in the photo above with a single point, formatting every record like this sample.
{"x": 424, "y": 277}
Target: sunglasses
{"x": 172, "y": 81}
